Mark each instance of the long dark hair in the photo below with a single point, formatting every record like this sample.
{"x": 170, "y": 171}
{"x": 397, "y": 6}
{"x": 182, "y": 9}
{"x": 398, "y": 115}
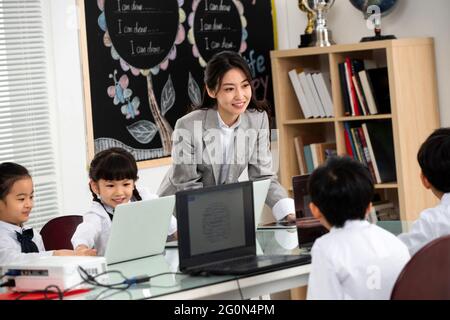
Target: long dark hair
{"x": 10, "y": 172}
{"x": 113, "y": 164}
{"x": 216, "y": 68}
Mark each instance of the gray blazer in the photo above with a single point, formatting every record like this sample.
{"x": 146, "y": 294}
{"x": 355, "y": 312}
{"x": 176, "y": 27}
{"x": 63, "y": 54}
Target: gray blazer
{"x": 196, "y": 154}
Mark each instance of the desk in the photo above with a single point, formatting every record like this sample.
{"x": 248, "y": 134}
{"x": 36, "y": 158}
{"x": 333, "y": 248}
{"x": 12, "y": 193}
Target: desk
{"x": 210, "y": 287}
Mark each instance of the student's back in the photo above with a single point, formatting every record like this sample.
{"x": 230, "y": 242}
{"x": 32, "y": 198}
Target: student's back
{"x": 355, "y": 260}
{"x": 358, "y": 261}
{"x": 434, "y": 160}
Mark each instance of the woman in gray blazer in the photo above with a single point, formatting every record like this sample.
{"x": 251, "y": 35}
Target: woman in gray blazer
{"x": 229, "y": 132}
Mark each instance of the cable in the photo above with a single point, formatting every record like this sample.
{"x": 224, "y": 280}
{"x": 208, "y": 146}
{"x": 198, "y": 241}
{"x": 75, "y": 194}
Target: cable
{"x": 240, "y": 290}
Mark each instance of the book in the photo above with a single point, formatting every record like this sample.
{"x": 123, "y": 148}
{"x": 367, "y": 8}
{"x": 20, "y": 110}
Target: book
{"x": 385, "y": 211}
{"x": 351, "y": 150}
{"x": 378, "y": 135}
{"x": 351, "y": 89}
{"x": 344, "y": 89}
{"x": 366, "y": 153}
{"x": 315, "y": 111}
{"x": 314, "y": 155}
{"x": 299, "y": 143}
{"x": 368, "y": 94}
{"x": 316, "y": 97}
{"x": 325, "y": 150}
{"x": 356, "y": 66}
{"x": 360, "y": 95}
{"x": 324, "y": 93}
{"x": 308, "y": 158}
{"x": 301, "y": 97}
{"x": 379, "y": 82}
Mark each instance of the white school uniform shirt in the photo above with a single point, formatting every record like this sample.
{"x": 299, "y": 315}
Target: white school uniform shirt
{"x": 10, "y": 249}
{"x": 359, "y": 261}
{"x": 284, "y": 206}
{"x": 95, "y": 229}
{"x": 432, "y": 224}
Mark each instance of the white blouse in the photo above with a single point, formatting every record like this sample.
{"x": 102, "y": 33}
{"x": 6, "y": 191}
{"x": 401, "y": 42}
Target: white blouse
{"x": 10, "y": 249}
{"x": 284, "y": 206}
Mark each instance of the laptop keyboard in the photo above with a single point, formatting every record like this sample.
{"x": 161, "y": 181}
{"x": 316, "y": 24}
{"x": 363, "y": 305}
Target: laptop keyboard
{"x": 253, "y": 264}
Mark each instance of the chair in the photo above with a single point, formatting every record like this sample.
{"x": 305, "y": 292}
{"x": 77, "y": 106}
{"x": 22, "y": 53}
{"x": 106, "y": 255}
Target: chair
{"x": 427, "y": 275}
{"x": 58, "y": 232}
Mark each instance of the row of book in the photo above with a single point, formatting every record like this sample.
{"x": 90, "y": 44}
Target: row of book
{"x": 383, "y": 211}
{"x": 311, "y": 155}
{"x": 365, "y": 88}
{"x": 313, "y": 93}
{"x": 372, "y": 144}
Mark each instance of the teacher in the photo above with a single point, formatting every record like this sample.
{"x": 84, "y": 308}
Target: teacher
{"x": 229, "y": 132}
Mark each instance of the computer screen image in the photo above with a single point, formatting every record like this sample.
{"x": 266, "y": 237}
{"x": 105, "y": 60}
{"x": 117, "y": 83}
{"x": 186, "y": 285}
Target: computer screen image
{"x": 215, "y": 223}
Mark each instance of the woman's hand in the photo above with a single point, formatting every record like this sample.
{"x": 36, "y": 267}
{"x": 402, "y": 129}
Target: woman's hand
{"x": 290, "y": 217}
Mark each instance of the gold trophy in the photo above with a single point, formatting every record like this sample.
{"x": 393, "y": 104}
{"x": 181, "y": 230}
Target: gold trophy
{"x": 306, "y": 39}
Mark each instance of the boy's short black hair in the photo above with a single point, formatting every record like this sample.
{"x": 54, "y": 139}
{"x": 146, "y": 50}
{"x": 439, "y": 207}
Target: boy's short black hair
{"x": 342, "y": 189}
{"x": 434, "y": 159}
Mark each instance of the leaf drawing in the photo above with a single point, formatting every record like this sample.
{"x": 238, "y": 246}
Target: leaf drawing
{"x": 167, "y": 96}
{"x": 143, "y": 131}
{"x": 194, "y": 91}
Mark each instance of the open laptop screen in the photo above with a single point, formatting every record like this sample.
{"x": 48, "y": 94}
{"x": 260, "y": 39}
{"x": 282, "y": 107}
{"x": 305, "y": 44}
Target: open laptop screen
{"x": 308, "y": 228}
{"x": 301, "y": 196}
{"x": 215, "y": 223}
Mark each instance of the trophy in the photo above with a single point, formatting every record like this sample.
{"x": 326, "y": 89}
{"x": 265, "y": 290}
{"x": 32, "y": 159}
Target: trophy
{"x": 306, "y": 39}
{"x": 321, "y": 8}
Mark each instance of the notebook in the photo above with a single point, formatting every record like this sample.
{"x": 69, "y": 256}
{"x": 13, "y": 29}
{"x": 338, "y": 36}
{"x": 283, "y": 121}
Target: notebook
{"x": 260, "y": 188}
{"x": 216, "y": 233}
{"x": 301, "y": 200}
{"x": 139, "y": 229}
{"x": 308, "y": 227}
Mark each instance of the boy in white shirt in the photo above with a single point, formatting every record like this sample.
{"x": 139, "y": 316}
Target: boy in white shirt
{"x": 434, "y": 161}
{"x": 355, "y": 260}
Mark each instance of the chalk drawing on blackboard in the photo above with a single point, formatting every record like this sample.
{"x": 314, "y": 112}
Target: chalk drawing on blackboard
{"x": 131, "y": 108}
{"x": 143, "y": 131}
{"x": 119, "y": 90}
{"x": 216, "y": 25}
{"x": 194, "y": 92}
{"x": 139, "y": 154}
{"x": 143, "y": 36}
{"x": 167, "y": 96}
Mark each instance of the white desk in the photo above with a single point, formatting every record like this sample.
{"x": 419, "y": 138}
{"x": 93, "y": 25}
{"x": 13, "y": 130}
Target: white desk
{"x": 185, "y": 287}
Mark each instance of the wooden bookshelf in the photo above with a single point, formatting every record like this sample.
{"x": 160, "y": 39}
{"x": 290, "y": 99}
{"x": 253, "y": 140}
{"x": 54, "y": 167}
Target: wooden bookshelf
{"x": 414, "y": 110}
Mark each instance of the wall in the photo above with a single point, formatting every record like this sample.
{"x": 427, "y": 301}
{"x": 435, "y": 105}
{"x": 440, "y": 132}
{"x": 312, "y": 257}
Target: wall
{"x": 411, "y": 18}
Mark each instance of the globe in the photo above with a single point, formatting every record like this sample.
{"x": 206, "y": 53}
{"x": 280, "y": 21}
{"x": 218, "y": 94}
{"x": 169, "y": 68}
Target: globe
{"x": 386, "y": 6}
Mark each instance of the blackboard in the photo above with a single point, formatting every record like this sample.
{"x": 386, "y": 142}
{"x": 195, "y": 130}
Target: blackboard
{"x": 143, "y": 64}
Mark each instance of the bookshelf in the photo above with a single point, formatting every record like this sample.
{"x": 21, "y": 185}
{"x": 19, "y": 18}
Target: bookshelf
{"x": 414, "y": 110}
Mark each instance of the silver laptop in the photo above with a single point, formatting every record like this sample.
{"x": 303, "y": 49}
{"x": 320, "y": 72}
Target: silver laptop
{"x": 260, "y": 189}
{"x": 139, "y": 229}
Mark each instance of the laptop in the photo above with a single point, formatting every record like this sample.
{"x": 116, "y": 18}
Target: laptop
{"x": 301, "y": 200}
{"x": 216, "y": 233}
{"x": 139, "y": 229}
{"x": 308, "y": 227}
{"x": 260, "y": 189}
